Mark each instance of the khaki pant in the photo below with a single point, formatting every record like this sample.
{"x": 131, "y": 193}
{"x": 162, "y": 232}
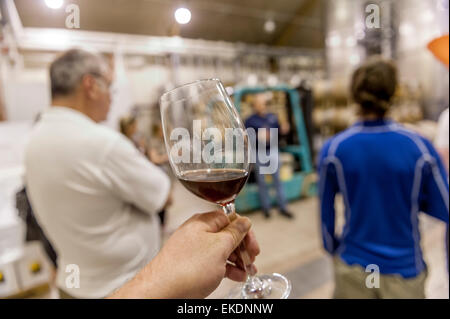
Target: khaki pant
{"x": 350, "y": 283}
{"x": 64, "y": 295}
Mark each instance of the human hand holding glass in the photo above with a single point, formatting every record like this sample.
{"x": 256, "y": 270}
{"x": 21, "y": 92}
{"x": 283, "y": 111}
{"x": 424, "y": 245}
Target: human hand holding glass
{"x": 209, "y": 153}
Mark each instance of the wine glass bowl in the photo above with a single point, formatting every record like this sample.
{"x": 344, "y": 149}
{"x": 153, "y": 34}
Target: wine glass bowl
{"x": 197, "y": 118}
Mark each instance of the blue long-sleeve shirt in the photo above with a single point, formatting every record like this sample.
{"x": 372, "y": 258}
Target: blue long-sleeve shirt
{"x": 386, "y": 175}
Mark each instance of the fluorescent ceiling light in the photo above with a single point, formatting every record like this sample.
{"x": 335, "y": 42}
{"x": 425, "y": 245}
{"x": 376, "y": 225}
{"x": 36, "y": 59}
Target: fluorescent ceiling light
{"x": 269, "y": 26}
{"x": 54, "y": 4}
{"x": 183, "y": 15}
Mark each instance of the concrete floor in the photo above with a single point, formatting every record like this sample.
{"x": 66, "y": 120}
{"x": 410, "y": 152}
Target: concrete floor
{"x": 294, "y": 247}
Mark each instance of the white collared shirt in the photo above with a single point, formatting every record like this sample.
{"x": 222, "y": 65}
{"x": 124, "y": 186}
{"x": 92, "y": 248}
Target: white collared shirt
{"x": 95, "y": 197}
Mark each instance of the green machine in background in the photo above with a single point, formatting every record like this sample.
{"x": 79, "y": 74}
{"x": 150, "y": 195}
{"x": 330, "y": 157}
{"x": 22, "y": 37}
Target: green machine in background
{"x": 303, "y": 182}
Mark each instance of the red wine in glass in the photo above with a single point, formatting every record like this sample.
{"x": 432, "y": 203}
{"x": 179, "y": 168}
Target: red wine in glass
{"x": 219, "y": 186}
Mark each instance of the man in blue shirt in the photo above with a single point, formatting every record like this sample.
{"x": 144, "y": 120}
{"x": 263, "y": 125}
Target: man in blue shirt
{"x": 262, "y": 121}
{"x": 386, "y": 176}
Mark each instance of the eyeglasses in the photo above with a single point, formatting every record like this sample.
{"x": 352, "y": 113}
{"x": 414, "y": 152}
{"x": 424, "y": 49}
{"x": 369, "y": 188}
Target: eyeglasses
{"x": 102, "y": 81}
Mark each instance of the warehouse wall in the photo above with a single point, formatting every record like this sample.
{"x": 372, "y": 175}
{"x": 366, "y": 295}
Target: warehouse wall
{"x": 416, "y": 23}
{"x": 419, "y": 22}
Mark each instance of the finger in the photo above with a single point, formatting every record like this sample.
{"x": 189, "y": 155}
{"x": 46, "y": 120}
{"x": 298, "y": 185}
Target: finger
{"x": 252, "y": 245}
{"x": 235, "y": 256}
{"x": 237, "y": 261}
{"x": 239, "y": 264}
{"x": 213, "y": 221}
{"x": 234, "y": 233}
{"x": 235, "y": 273}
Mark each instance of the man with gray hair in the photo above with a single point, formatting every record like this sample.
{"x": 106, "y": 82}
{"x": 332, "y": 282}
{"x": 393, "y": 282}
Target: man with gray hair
{"x": 93, "y": 193}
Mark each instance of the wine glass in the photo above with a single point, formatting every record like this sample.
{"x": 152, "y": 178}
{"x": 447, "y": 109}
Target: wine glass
{"x": 210, "y": 154}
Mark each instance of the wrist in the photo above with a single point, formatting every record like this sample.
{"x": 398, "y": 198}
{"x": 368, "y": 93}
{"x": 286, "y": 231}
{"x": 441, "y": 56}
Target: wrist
{"x": 143, "y": 286}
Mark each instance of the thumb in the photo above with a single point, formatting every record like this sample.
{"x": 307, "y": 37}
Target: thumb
{"x": 235, "y": 233}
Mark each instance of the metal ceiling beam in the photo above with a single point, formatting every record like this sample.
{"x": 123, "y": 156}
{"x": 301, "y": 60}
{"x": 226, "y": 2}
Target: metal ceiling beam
{"x": 41, "y": 39}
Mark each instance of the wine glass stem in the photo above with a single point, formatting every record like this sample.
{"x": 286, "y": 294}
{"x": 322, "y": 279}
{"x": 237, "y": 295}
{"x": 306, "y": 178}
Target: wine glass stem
{"x": 230, "y": 211}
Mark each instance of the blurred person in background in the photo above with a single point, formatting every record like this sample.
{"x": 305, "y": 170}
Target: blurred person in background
{"x": 129, "y": 128}
{"x": 386, "y": 176}
{"x": 261, "y": 119}
{"x": 158, "y": 153}
{"x": 92, "y": 191}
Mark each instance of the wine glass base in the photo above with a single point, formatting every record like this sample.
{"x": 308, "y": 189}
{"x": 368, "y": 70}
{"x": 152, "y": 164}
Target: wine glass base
{"x": 274, "y": 286}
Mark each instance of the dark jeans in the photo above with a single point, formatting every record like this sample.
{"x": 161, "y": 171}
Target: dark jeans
{"x": 264, "y": 188}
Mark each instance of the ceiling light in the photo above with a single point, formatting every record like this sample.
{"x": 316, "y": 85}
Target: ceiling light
{"x": 342, "y": 12}
{"x": 54, "y": 4}
{"x": 334, "y": 40}
{"x": 269, "y": 26}
{"x": 183, "y": 15}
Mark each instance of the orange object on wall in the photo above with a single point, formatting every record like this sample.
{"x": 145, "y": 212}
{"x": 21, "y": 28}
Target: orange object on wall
{"x": 440, "y": 47}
